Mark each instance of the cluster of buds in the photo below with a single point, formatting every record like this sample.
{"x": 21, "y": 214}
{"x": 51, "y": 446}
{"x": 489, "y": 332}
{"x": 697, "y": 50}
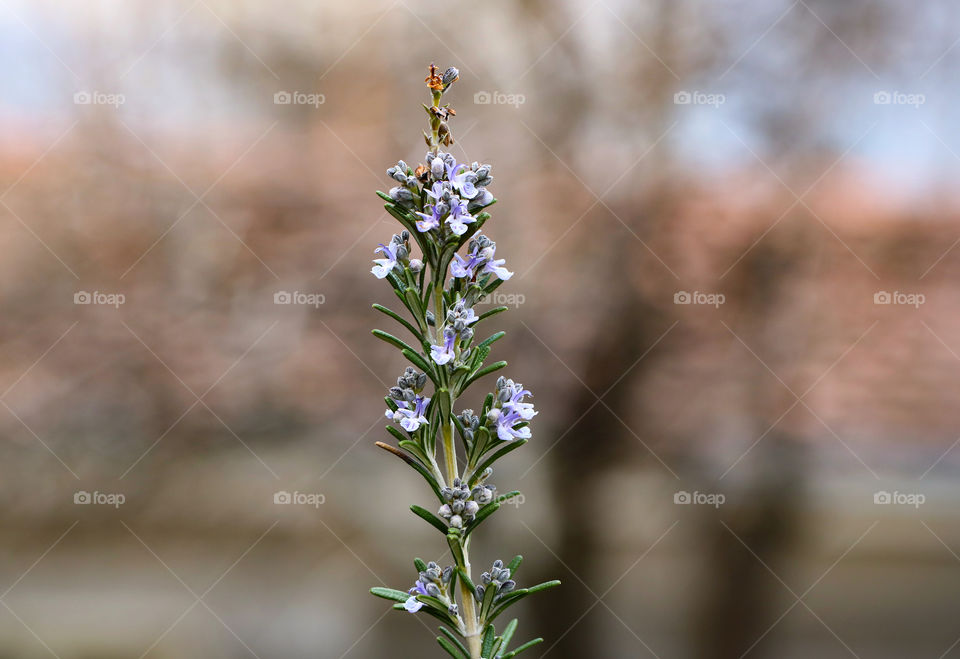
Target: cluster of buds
{"x": 462, "y": 503}
{"x": 470, "y": 423}
{"x": 410, "y": 406}
{"x": 395, "y": 254}
{"x": 431, "y": 582}
{"x": 403, "y": 193}
{"x": 409, "y": 385}
{"x": 497, "y": 578}
{"x": 457, "y": 333}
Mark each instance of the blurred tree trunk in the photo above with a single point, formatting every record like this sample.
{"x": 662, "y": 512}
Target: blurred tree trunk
{"x": 739, "y": 594}
{"x": 596, "y": 442}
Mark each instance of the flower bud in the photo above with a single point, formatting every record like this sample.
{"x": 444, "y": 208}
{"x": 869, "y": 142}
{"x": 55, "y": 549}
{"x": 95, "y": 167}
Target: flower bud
{"x": 450, "y": 76}
{"x": 456, "y": 521}
{"x": 416, "y": 265}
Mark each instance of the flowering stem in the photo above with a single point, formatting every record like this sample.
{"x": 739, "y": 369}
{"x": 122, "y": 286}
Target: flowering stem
{"x": 435, "y": 202}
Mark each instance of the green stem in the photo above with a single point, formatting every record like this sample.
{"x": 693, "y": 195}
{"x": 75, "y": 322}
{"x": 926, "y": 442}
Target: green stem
{"x": 472, "y": 629}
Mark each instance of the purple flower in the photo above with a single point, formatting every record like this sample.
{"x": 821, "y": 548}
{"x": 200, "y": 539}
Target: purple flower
{"x": 446, "y": 352}
{"x": 437, "y": 190}
{"x": 462, "y": 178}
{"x": 512, "y": 410}
{"x": 431, "y": 221}
{"x": 459, "y": 218}
{"x": 413, "y": 604}
{"x": 480, "y": 258}
{"x": 410, "y": 415}
{"x": 386, "y": 265}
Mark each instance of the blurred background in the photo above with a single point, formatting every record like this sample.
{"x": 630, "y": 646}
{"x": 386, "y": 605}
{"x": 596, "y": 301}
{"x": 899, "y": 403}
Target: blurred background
{"x": 734, "y": 231}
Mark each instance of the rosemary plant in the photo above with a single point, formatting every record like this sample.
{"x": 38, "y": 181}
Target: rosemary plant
{"x": 440, "y": 205}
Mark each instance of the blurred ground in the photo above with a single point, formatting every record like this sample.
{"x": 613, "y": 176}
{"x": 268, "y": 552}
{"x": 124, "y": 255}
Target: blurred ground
{"x": 734, "y": 231}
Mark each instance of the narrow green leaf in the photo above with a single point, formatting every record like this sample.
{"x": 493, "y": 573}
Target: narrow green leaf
{"x": 453, "y": 541}
{"x": 508, "y": 631}
{"x": 492, "y": 312}
{"x": 514, "y": 565}
{"x": 414, "y": 449}
{"x": 416, "y": 304}
{"x": 451, "y": 649}
{"x": 419, "y": 564}
{"x": 391, "y": 339}
{"x": 492, "y": 368}
{"x": 439, "y": 615}
{"x": 487, "y": 645}
{"x": 390, "y": 594}
{"x": 492, "y": 339}
{"x": 400, "y": 319}
{"x": 512, "y": 598}
{"x": 466, "y": 579}
{"x": 456, "y": 641}
{"x": 443, "y": 400}
{"x": 525, "y": 646}
{"x": 487, "y": 602}
{"x": 543, "y": 586}
{"x": 432, "y": 519}
{"x": 398, "y": 435}
{"x": 482, "y": 514}
{"x": 427, "y": 476}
